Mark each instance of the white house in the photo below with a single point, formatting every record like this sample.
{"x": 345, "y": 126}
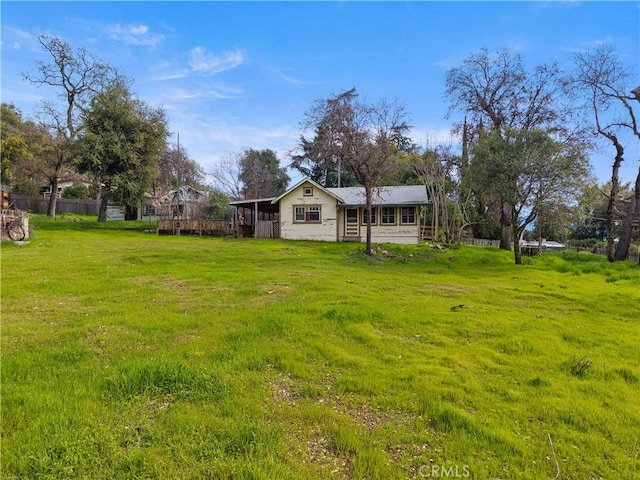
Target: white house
{"x": 308, "y": 211}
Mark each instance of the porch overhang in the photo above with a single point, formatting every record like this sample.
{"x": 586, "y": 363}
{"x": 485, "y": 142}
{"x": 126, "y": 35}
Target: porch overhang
{"x": 260, "y": 205}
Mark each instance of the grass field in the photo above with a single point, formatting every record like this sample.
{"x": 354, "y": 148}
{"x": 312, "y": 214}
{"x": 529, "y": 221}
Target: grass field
{"x": 127, "y": 355}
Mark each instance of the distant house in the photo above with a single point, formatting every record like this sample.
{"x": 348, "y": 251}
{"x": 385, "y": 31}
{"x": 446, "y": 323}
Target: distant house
{"x": 184, "y": 202}
{"x": 535, "y": 247}
{"x": 184, "y": 211}
{"x": 308, "y": 211}
{"x": 70, "y": 180}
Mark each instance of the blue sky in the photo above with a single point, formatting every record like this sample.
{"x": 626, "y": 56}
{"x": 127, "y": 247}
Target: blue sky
{"x": 234, "y": 75}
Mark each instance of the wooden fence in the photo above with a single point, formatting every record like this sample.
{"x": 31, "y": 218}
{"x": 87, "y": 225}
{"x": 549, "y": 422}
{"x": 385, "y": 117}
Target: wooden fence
{"x": 63, "y": 205}
{"x": 480, "y": 242}
{"x": 195, "y": 227}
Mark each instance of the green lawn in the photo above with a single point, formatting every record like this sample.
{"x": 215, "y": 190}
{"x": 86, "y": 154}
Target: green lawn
{"x": 130, "y": 355}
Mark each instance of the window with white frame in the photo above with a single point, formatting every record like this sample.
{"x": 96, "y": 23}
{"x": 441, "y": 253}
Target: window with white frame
{"x": 307, "y": 191}
{"x": 374, "y": 220}
{"x": 408, "y": 216}
{"x": 306, "y": 214}
{"x": 149, "y": 210}
{"x": 352, "y": 216}
{"x": 388, "y": 215}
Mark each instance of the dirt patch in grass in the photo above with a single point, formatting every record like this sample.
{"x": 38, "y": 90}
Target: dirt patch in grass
{"x": 141, "y": 280}
{"x": 272, "y": 293}
{"x": 448, "y": 290}
{"x": 321, "y": 453}
{"x": 283, "y": 390}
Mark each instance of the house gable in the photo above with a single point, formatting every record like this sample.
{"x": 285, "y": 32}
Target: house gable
{"x": 308, "y": 212}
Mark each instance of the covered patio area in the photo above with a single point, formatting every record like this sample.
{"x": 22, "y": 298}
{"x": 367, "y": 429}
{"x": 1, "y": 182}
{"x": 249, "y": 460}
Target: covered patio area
{"x": 256, "y": 218}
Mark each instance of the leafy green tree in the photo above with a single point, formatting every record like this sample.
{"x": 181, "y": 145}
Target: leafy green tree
{"x": 27, "y": 152}
{"x": 261, "y": 174}
{"x": 13, "y": 145}
{"x": 527, "y": 170}
{"x": 121, "y": 142}
{"x": 554, "y": 220}
{"x": 218, "y": 204}
{"x": 590, "y": 221}
{"x": 77, "y": 190}
{"x": 322, "y": 166}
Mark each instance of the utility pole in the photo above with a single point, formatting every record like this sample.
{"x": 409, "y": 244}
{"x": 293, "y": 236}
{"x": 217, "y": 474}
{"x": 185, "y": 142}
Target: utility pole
{"x": 178, "y": 163}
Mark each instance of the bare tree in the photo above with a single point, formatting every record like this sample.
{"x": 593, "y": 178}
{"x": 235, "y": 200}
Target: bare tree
{"x": 436, "y": 169}
{"x": 76, "y": 75}
{"x": 606, "y": 85}
{"x": 175, "y": 169}
{"x": 363, "y": 137}
{"x": 226, "y": 176}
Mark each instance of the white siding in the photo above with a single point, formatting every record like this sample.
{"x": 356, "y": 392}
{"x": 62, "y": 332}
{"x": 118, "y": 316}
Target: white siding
{"x": 325, "y": 230}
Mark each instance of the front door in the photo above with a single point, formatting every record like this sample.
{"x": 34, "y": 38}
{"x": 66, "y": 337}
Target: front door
{"x": 352, "y": 224}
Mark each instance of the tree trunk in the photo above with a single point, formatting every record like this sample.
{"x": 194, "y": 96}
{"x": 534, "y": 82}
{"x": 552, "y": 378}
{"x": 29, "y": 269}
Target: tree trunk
{"x": 615, "y": 188}
{"x": 539, "y": 233}
{"x": 516, "y": 233}
{"x": 505, "y": 224}
{"x": 53, "y": 199}
{"x": 517, "y": 253}
{"x": 369, "y": 195}
{"x": 98, "y": 192}
{"x": 622, "y": 247}
{"x": 626, "y": 231}
{"x": 435, "y": 236}
{"x": 102, "y": 212}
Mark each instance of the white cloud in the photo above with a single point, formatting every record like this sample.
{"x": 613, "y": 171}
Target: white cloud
{"x": 292, "y": 80}
{"x": 203, "y": 61}
{"x": 209, "y": 139}
{"x": 134, "y": 35}
{"x": 178, "y": 94}
{"x": 18, "y": 32}
{"x": 12, "y": 45}
{"x": 170, "y": 76}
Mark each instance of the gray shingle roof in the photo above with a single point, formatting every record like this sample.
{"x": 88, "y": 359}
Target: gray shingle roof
{"x": 389, "y": 196}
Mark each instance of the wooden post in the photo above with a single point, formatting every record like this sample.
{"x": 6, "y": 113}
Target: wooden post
{"x": 255, "y": 221}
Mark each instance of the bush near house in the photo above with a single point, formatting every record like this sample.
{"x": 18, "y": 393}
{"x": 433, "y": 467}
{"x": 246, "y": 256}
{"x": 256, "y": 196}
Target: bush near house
{"x": 77, "y": 190}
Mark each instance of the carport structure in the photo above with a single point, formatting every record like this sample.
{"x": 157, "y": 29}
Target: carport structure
{"x": 257, "y": 218}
